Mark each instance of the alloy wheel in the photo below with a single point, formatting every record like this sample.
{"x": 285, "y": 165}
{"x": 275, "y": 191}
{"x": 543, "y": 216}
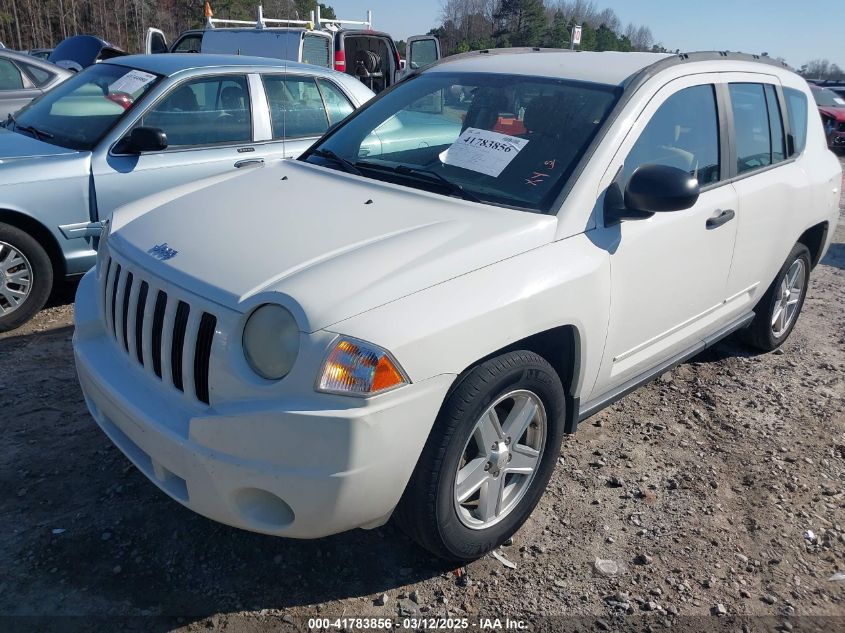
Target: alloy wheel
{"x": 788, "y": 298}
{"x": 500, "y": 459}
{"x": 16, "y": 278}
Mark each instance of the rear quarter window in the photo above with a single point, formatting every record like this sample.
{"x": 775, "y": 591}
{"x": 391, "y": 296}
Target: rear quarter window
{"x": 796, "y": 109}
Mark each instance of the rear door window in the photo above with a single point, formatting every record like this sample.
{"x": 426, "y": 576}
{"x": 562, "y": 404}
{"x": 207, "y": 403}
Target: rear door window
{"x": 758, "y": 126}
{"x": 39, "y": 76}
{"x": 796, "y": 111}
{"x": 296, "y": 106}
{"x": 10, "y": 76}
{"x": 337, "y": 104}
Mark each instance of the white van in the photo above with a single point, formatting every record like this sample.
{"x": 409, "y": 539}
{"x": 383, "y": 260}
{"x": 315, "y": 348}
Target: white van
{"x": 349, "y": 46}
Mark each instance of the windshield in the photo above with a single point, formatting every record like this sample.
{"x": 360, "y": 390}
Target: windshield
{"x": 827, "y": 98}
{"x": 510, "y": 140}
{"x": 78, "y": 112}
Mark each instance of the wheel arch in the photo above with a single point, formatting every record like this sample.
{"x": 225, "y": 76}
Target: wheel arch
{"x": 561, "y": 347}
{"x": 41, "y": 234}
{"x": 814, "y": 239}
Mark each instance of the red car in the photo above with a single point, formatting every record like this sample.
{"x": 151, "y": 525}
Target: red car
{"x": 832, "y": 109}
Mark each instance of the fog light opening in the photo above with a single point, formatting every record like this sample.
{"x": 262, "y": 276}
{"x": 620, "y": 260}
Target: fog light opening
{"x": 263, "y": 508}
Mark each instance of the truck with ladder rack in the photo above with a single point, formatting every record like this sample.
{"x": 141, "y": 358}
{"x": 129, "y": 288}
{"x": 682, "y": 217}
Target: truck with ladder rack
{"x": 349, "y": 46}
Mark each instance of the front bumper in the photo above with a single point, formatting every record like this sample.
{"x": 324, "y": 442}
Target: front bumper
{"x": 307, "y": 468}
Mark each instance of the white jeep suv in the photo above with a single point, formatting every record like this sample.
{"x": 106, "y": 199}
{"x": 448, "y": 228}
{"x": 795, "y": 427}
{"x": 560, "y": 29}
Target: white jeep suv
{"x": 408, "y": 318}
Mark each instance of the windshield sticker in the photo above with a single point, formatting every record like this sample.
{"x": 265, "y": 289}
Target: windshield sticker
{"x": 131, "y": 82}
{"x": 484, "y": 151}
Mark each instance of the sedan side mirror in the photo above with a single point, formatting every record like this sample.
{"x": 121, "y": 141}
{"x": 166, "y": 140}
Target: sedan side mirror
{"x": 659, "y": 188}
{"x": 142, "y": 139}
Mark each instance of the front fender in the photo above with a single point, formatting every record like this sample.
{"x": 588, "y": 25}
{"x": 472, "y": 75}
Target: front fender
{"x": 447, "y": 328}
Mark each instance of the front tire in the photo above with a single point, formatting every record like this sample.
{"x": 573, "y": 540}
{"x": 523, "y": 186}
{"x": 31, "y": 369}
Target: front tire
{"x": 26, "y": 277}
{"x": 778, "y": 309}
{"x": 488, "y": 458}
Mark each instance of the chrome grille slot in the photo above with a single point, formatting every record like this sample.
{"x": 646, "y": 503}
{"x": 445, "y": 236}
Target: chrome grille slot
{"x": 164, "y": 334}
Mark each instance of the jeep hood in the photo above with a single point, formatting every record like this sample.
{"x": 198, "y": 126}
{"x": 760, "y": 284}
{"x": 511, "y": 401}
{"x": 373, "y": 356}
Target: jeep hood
{"x": 327, "y": 244}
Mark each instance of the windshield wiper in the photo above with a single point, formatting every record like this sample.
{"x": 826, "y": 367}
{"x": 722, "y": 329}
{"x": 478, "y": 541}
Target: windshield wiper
{"x": 38, "y": 134}
{"x": 453, "y": 187}
{"x": 340, "y": 160}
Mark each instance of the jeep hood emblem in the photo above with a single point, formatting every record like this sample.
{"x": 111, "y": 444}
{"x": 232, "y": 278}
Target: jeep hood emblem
{"x": 163, "y": 252}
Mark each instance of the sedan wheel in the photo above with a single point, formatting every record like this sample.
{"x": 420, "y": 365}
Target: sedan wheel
{"x": 16, "y": 279}
{"x": 26, "y": 277}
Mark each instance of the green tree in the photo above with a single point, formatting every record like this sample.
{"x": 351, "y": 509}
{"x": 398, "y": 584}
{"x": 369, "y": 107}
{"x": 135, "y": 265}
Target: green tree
{"x": 606, "y": 39}
{"x": 522, "y": 21}
{"x": 558, "y": 33}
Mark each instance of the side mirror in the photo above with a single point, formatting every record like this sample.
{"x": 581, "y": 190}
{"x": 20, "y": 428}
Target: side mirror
{"x": 142, "y": 139}
{"x": 659, "y": 188}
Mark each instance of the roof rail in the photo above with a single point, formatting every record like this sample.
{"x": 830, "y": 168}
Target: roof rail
{"x": 333, "y": 24}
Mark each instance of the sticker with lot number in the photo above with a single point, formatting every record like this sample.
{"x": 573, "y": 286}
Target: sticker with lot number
{"x": 131, "y": 82}
{"x": 484, "y": 151}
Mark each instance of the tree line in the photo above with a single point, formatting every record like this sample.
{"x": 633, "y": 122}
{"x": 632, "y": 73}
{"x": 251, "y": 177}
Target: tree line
{"x": 27, "y": 24}
{"x": 478, "y": 24}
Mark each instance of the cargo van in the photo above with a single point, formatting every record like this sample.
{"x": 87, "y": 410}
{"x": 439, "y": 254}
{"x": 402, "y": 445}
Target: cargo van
{"x": 349, "y": 46}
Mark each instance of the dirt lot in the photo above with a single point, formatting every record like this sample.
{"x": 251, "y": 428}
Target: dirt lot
{"x": 729, "y": 495}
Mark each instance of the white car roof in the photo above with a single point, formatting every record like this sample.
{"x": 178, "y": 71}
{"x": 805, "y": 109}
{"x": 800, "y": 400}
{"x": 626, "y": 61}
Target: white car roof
{"x": 609, "y": 67}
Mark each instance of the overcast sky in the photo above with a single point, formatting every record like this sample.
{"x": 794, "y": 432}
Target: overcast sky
{"x": 798, "y": 30}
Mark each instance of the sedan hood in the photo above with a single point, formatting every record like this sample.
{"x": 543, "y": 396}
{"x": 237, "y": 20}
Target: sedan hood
{"x": 327, "y": 244}
{"x": 14, "y": 145}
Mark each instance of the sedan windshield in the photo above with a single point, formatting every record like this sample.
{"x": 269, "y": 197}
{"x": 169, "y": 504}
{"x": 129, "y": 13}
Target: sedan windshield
{"x": 78, "y": 112}
{"x": 510, "y": 140}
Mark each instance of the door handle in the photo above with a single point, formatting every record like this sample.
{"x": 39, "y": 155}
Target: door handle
{"x": 249, "y": 162}
{"x": 720, "y": 218}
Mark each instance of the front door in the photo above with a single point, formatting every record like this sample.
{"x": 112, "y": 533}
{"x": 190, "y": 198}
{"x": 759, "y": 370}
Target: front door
{"x": 208, "y": 122}
{"x": 669, "y": 272}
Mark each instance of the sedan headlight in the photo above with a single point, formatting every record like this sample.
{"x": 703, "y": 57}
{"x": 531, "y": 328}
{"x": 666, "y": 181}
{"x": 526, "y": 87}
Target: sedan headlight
{"x": 271, "y": 341}
{"x": 358, "y": 368}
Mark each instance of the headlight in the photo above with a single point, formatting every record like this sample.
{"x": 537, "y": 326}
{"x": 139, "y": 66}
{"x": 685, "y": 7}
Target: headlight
{"x": 271, "y": 341}
{"x": 357, "y": 368}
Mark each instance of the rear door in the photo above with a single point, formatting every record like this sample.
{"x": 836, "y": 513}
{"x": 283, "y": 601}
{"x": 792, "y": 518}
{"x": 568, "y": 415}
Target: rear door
{"x": 209, "y": 125}
{"x": 155, "y": 42}
{"x": 771, "y": 185}
{"x": 420, "y": 51}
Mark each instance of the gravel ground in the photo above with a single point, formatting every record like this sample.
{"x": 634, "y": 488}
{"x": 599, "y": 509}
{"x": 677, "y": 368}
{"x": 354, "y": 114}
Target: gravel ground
{"x": 719, "y": 488}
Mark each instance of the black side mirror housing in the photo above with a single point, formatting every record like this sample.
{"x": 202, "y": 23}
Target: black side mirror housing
{"x": 660, "y": 188}
{"x": 142, "y": 139}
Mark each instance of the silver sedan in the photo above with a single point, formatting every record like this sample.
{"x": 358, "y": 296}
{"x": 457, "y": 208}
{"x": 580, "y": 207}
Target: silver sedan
{"x": 133, "y": 126}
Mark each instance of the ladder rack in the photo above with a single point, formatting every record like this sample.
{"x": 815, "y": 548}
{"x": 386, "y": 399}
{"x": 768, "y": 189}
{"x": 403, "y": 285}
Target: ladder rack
{"x": 330, "y": 24}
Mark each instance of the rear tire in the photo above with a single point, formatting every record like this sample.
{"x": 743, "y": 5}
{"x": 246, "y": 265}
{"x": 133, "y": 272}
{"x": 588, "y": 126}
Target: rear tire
{"x": 440, "y": 509}
{"x": 26, "y": 277}
{"x": 778, "y": 310}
